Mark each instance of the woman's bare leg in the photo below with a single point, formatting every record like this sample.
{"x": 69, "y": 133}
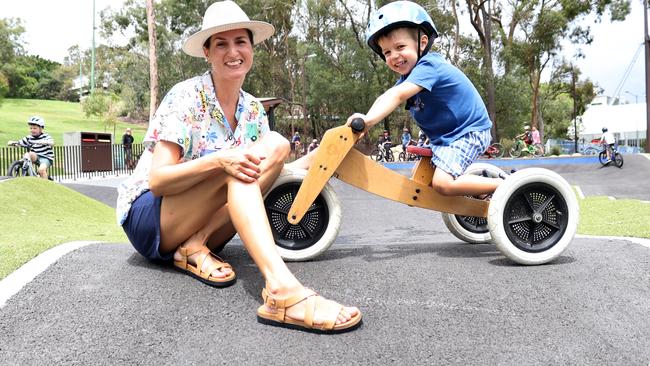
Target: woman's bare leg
{"x": 249, "y": 218}
{"x": 198, "y": 216}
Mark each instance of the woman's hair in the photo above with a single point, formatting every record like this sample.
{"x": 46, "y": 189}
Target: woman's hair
{"x": 206, "y": 44}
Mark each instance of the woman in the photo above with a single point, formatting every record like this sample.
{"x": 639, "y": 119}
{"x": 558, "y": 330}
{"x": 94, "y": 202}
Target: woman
{"x": 210, "y": 157}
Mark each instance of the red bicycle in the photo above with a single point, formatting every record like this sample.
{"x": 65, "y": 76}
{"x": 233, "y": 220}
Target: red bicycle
{"x": 494, "y": 151}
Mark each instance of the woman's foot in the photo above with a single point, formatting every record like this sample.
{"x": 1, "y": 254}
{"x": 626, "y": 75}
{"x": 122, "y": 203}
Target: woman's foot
{"x": 304, "y": 309}
{"x": 192, "y": 245}
{"x": 199, "y": 262}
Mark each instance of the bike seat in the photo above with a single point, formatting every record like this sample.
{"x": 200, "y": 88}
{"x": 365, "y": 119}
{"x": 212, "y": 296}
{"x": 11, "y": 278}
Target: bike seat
{"x": 420, "y": 151}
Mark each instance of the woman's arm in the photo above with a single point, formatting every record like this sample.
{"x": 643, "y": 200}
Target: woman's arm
{"x": 171, "y": 176}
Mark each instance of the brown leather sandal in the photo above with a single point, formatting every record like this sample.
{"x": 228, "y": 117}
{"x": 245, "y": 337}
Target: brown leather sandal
{"x": 197, "y": 271}
{"x": 279, "y": 318}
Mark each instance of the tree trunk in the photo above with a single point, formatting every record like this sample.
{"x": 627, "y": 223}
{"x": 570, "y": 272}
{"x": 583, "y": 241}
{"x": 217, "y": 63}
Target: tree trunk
{"x": 153, "y": 61}
{"x": 534, "y": 83}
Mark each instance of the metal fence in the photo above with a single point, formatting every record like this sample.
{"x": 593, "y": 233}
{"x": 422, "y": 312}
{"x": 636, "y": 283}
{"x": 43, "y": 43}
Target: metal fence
{"x": 79, "y": 161}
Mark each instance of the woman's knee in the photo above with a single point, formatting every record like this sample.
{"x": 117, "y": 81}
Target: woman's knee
{"x": 278, "y": 145}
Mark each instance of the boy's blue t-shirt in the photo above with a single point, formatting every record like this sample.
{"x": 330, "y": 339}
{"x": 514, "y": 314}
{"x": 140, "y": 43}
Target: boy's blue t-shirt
{"x": 449, "y": 106}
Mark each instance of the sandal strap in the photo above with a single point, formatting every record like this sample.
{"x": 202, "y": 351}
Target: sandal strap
{"x": 311, "y": 299}
{"x": 280, "y": 305}
{"x": 204, "y": 252}
{"x": 217, "y": 263}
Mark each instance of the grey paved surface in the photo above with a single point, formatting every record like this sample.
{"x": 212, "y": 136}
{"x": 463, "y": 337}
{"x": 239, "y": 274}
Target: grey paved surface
{"x": 426, "y": 299}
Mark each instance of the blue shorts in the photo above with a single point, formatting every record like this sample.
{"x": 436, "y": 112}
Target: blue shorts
{"x": 142, "y": 226}
{"x": 457, "y": 156}
{"x": 44, "y": 162}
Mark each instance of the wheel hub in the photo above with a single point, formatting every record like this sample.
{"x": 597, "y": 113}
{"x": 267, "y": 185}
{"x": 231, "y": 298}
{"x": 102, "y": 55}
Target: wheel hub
{"x": 308, "y": 231}
{"x": 535, "y": 217}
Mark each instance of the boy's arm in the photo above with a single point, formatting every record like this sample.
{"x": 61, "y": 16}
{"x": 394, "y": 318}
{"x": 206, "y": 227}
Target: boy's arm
{"x": 386, "y": 103}
{"x": 48, "y": 141}
{"x": 23, "y": 142}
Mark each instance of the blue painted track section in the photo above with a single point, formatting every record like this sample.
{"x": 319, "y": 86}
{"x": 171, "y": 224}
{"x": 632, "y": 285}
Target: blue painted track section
{"x": 561, "y": 160}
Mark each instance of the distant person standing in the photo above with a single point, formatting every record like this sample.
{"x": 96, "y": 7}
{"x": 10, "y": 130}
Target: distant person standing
{"x": 406, "y": 138}
{"x": 127, "y": 145}
{"x": 535, "y": 136}
{"x": 296, "y": 145}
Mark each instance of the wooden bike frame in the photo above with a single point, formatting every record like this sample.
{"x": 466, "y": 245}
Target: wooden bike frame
{"x": 336, "y": 157}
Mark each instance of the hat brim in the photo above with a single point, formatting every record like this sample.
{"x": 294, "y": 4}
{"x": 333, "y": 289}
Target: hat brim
{"x": 193, "y": 46}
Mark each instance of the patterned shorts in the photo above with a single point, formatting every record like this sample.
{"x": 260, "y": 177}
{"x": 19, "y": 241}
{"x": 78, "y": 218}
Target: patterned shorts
{"x": 460, "y": 154}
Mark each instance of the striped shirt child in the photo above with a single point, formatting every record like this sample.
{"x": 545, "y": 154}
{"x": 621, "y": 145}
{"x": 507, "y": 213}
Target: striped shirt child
{"x": 33, "y": 144}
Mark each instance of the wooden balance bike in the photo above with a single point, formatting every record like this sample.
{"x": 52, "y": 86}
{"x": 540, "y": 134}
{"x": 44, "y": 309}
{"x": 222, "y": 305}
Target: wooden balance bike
{"x": 531, "y": 218}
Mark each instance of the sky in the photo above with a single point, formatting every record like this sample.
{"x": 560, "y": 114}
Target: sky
{"x": 607, "y": 58}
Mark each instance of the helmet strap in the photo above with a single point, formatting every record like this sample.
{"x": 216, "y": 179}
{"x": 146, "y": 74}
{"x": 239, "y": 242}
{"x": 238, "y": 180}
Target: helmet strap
{"x": 419, "y": 41}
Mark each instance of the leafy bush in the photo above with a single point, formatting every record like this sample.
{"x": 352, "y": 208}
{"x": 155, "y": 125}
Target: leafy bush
{"x": 555, "y": 150}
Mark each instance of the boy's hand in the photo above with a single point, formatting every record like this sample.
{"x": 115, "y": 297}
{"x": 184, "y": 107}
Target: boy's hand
{"x": 12, "y": 143}
{"x": 354, "y": 116}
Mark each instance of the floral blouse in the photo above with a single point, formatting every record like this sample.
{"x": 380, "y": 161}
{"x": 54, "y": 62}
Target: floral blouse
{"x": 191, "y": 117}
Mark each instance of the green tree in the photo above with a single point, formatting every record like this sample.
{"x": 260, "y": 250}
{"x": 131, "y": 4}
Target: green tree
{"x": 105, "y": 105}
{"x": 11, "y": 31}
{"x": 533, "y": 37}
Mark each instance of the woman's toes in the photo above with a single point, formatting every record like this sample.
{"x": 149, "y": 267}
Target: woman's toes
{"x": 346, "y": 314}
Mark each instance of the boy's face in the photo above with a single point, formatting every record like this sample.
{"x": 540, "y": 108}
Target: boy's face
{"x": 400, "y": 49}
{"x": 35, "y": 130}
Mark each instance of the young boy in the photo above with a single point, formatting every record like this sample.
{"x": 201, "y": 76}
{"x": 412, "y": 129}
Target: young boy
{"x": 39, "y": 144}
{"x": 444, "y": 103}
{"x": 608, "y": 140}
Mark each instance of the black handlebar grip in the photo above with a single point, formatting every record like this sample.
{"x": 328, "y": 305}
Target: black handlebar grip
{"x": 358, "y": 125}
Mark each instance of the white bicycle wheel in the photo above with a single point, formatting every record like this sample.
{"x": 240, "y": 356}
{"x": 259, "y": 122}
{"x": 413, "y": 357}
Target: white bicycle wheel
{"x": 317, "y": 230}
{"x": 533, "y": 216}
{"x": 472, "y": 229}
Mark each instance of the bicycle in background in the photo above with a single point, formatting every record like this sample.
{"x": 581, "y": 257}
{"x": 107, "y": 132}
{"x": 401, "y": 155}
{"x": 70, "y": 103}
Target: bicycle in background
{"x": 495, "y": 150}
{"x": 520, "y": 147}
{"x": 616, "y": 157}
{"x": 23, "y": 167}
{"x": 383, "y": 152}
{"x": 407, "y": 156}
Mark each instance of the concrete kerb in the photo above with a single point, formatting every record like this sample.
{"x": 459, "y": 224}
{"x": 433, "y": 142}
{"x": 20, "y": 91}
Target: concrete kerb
{"x": 15, "y": 281}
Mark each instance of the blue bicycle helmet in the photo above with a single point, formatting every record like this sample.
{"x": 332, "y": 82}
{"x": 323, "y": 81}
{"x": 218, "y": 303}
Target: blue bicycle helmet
{"x": 399, "y": 14}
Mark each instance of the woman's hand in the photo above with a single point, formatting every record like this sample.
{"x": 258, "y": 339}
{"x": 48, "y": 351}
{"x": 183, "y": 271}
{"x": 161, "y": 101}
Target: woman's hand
{"x": 241, "y": 164}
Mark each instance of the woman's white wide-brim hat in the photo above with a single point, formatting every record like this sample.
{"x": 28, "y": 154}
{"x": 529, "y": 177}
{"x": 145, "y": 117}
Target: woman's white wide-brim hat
{"x": 223, "y": 16}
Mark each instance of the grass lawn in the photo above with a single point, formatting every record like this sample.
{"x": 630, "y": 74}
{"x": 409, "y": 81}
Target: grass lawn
{"x": 59, "y": 117}
{"x": 602, "y": 216}
{"x": 38, "y": 214}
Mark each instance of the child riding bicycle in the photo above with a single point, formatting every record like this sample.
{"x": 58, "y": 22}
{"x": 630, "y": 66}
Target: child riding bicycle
{"x": 39, "y": 145}
{"x": 384, "y": 144}
{"x": 608, "y": 140}
{"x": 444, "y": 103}
{"x": 526, "y": 137}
